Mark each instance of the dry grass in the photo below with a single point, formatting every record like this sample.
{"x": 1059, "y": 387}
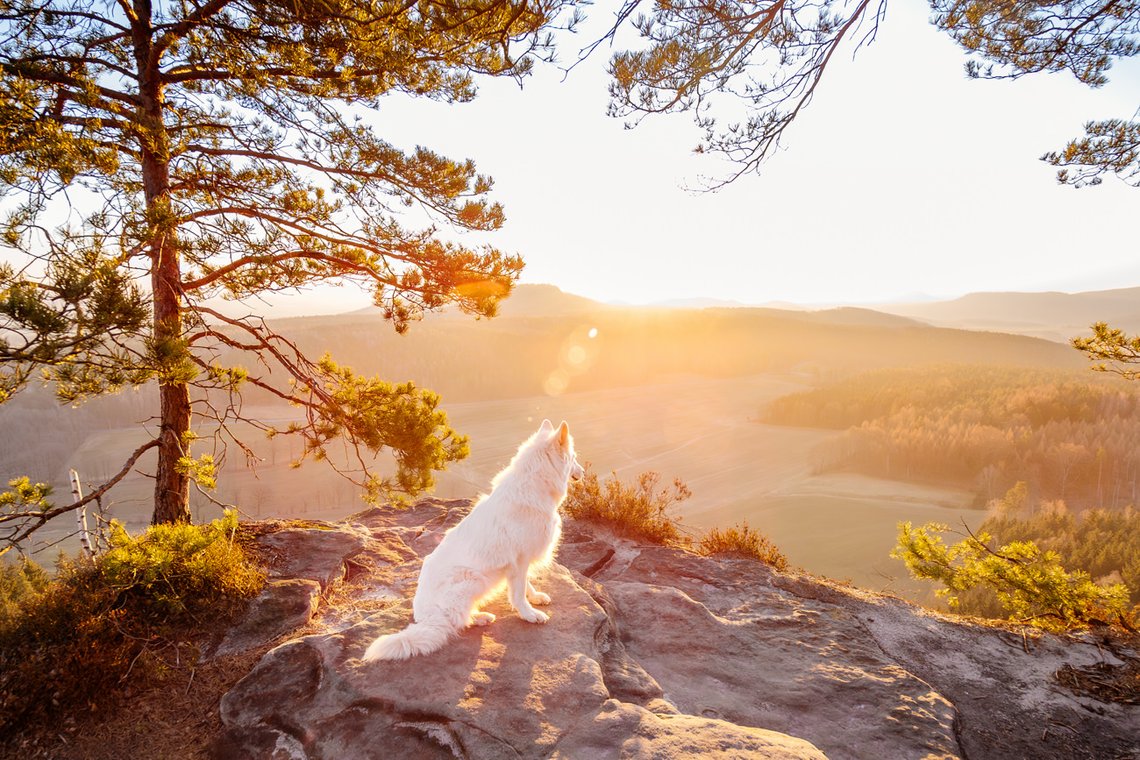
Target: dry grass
{"x": 643, "y": 511}
{"x": 742, "y": 541}
{"x": 639, "y": 511}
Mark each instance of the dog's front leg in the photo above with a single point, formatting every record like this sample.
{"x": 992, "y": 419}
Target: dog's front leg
{"x": 516, "y": 589}
{"x": 535, "y": 596}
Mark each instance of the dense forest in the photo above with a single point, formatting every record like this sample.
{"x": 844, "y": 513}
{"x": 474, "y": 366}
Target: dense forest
{"x": 1069, "y": 435}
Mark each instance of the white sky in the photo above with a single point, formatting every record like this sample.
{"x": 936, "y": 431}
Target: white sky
{"x": 903, "y": 177}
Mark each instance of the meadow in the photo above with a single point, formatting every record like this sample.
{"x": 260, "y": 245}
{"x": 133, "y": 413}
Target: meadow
{"x": 692, "y": 427}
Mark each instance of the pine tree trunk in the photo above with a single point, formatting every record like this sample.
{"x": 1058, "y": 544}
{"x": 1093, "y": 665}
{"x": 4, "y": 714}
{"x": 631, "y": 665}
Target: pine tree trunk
{"x": 171, "y": 485}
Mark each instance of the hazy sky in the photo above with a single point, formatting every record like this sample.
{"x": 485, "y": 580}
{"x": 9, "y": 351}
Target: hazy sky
{"x": 903, "y": 177}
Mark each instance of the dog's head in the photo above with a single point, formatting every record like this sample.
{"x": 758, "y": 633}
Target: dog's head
{"x": 563, "y": 445}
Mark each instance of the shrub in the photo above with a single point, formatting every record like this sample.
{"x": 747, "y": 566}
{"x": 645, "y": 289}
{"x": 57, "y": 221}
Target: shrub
{"x": 1031, "y": 585}
{"x": 639, "y": 511}
{"x": 174, "y": 572}
{"x": 18, "y": 583}
{"x": 71, "y": 642}
{"x": 742, "y": 541}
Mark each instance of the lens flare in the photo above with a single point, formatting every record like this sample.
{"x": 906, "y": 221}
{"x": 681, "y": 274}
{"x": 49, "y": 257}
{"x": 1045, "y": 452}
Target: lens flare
{"x": 556, "y": 382}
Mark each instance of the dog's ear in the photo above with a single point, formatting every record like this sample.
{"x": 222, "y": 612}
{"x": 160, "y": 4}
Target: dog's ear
{"x": 563, "y": 434}
{"x": 546, "y": 427}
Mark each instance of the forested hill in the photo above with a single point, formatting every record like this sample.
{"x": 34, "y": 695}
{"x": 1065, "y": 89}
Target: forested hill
{"x": 1069, "y": 435}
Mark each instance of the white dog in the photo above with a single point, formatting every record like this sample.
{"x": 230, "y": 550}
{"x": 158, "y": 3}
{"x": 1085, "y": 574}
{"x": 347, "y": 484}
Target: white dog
{"x": 514, "y": 529}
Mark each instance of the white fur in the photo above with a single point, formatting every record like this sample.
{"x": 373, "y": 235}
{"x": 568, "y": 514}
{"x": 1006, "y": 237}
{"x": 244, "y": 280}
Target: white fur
{"x": 507, "y": 534}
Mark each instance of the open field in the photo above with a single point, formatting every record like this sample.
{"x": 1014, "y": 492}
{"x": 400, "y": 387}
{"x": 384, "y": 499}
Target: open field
{"x": 699, "y": 429}
{"x": 844, "y": 526}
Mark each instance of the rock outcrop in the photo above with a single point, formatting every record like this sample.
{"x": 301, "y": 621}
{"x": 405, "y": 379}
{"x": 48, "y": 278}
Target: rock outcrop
{"x": 649, "y": 652}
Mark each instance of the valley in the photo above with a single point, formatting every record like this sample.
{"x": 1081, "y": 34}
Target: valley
{"x": 683, "y": 392}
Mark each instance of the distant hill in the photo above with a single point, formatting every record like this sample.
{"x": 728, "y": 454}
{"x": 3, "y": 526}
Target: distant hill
{"x": 546, "y": 334}
{"x": 853, "y": 315}
{"x": 1052, "y": 315}
{"x": 528, "y": 300}
{"x": 545, "y": 301}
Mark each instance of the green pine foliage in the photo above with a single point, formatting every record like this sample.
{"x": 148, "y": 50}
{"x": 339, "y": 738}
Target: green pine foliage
{"x": 1031, "y": 585}
{"x": 744, "y": 71}
{"x": 176, "y": 573}
{"x": 1111, "y": 349}
{"x": 19, "y": 581}
{"x": 1108, "y": 147}
{"x": 73, "y": 641}
{"x": 1104, "y": 543}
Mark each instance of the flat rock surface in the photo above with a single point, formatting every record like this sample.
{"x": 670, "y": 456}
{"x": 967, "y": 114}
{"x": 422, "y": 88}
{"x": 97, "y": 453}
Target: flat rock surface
{"x": 656, "y": 652}
{"x": 281, "y": 607}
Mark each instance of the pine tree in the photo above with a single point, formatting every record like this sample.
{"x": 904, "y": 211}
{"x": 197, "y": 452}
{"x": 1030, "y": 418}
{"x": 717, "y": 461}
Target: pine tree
{"x": 225, "y": 148}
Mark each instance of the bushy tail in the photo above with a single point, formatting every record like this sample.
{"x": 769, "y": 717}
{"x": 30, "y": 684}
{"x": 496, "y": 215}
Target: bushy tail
{"x": 417, "y": 638}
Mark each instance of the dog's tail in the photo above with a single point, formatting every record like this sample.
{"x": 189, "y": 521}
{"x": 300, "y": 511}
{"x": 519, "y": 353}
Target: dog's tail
{"x": 417, "y": 638}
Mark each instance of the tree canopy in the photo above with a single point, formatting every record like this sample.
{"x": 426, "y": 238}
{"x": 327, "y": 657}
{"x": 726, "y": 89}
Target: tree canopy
{"x": 770, "y": 56}
{"x": 161, "y": 158}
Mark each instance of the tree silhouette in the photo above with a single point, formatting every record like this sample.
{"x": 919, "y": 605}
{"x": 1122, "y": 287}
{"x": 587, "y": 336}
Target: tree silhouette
{"x": 221, "y": 149}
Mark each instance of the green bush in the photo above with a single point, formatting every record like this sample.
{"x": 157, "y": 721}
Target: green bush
{"x": 639, "y": 511}
{"x": 72, "y": 641}
{"x": 1103, "y": 542}
{"x": 742, "y": 541}
{"x": 1030, "y": 584}
{"x": 175, "y": 572}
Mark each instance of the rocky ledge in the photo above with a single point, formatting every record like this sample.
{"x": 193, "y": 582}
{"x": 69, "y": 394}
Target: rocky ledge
{"x": 649, "y": 652}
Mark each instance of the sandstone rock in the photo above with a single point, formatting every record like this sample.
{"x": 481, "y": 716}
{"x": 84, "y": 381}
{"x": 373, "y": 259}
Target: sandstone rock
{"x": 857, "y": 674}
{"x": 512, "y": 689}
{"x": 318, "y": 553}
{"x": 655, "y": 652}
{"x": 281, "y": 607}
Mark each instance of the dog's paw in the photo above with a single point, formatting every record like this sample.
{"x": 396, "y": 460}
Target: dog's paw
{"x": 534, "y": 616}
{"x": 482, "y": 618}
{"x": 540, "y": 598}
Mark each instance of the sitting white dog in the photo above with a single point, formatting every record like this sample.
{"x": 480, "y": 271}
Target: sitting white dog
{"x": 514, "y": 529}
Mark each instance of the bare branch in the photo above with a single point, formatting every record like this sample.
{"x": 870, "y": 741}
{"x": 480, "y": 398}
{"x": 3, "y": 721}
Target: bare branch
{"x": 39, "y": 518}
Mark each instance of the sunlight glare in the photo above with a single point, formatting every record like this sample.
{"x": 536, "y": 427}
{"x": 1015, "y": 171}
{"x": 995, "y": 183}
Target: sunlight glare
{"x": 557, "y": 382}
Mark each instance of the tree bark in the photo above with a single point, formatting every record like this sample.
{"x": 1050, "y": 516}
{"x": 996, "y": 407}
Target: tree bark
{"x": 172, "y": 484}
